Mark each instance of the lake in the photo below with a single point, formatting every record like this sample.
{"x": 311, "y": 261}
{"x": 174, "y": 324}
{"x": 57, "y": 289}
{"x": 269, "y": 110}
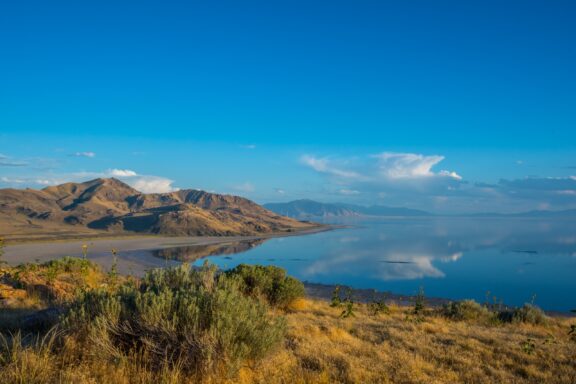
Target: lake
{"x": 505, "y": 259}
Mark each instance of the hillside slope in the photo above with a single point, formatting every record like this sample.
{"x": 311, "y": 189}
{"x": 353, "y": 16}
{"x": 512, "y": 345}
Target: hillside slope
{"x": 111, "y": 206}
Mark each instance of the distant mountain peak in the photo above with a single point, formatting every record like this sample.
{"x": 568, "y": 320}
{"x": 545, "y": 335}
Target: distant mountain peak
{"x": 306, "y": 208}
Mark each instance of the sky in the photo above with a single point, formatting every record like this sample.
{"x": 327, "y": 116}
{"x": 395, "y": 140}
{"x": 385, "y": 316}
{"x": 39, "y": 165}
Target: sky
{"x": 449, "y": 106}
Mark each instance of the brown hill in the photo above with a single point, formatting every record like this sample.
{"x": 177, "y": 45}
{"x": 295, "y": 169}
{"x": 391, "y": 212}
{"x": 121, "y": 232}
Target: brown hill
{"x": 111, "y": 206}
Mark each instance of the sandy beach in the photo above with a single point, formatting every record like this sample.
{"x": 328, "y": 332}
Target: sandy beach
{"x": 135, "y": 253}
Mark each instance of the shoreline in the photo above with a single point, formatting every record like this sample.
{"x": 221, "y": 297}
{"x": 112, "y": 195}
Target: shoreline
{"x": 136, "y": 256}
{"x": 130, "y": 248}
{"x": 320, "y": 291}
{"x": 101, "y": 236}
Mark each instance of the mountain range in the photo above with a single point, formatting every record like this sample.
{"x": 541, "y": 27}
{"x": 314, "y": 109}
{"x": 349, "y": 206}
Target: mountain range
{"x": 309, "y": 209}
{"x": 111, "y": 206}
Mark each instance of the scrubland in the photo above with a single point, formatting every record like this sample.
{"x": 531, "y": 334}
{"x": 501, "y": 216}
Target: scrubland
{"x": 67, "y": 321}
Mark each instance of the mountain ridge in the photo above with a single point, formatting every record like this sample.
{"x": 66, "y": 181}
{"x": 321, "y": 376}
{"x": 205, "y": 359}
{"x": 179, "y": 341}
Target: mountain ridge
{"x": 111, "y": 206}
{"x": 306, "y": 208}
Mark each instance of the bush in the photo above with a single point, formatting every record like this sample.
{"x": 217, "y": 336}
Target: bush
{"x": 195, "y": 320}
{"x": 269, "y": 282}
{"x": 465, "y": 310}
{"x": 528, "y": 313}
{"x": 419, "y": 303}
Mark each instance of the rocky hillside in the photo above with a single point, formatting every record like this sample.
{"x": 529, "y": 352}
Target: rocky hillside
{"x": 110, "y": 206}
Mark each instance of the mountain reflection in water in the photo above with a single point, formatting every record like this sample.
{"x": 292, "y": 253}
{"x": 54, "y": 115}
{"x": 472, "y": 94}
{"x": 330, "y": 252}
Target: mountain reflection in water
{"x": 456, "y": 258}
{"x": 195, "y": 252}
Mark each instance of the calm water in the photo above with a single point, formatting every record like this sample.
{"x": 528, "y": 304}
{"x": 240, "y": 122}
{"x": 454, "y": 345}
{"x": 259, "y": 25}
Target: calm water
{"x": 513, "y": 259}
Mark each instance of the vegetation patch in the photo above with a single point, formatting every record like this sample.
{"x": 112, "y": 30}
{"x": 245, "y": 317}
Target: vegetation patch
{"x": 466, "y": 310}
{"x": 185, "y": 325}
{"x": 528, "y": 313}
{"x": 269, "y": 282}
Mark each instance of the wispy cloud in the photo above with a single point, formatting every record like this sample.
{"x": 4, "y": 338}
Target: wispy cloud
{"x": 6, "y": 161}
{"x": 410, "y": 165}
{"x": 31, "y": 181}
{"x": 248, "y": 146}
{"x": 142, "y": 183}
{"x": 10, "y": 163}
{"x": 394, "y": 178}
{"x": 121, "y": 173}
{"x": 325, "y": 165}
{"x": 88, "y": 154}
{"x": 349, "y": 192}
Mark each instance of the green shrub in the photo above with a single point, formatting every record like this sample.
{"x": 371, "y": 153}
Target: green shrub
{"x": 194, "y": 319}
{"x": 465, "y": 310}
{"x": 378, "y": 305}
{"x": 419, "y": 303}
{"x": 348, "y": 303}
{"x": 269, "y": 282}
{"x": 336, "y": 300}
{"x": 528, "y": 313}
{"x": 68, "y": 264}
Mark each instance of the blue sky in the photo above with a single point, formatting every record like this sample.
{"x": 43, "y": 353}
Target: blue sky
{"x": 450, "y": 106}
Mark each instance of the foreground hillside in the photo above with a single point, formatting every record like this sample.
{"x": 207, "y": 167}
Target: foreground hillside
{"x": 110, "y": 206}
{"x": 252, "y": 325}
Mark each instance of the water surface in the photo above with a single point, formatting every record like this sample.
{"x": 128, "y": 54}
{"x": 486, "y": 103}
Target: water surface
{"x": 505, "y": 259}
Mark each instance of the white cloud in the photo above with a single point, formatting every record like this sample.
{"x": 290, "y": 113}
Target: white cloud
{"x": 122, "y": 173}
{"x": 349, "y": 192}
{"x": 383, "y": 166}
{"x": 84, "y": 154}
{"x": 452, "y": 174}
{"x": 6, "y": 161}
{"x": 325, "y": 166}
{"x": 410, "y": 165}
{"x": 25, "y": 181}
{"x": 248, "y": 146}
{"x": 142, "y": 183}
{"x": 280, "y": 191}
{"x": 404, "y": 179}
{"x": 151, "y": 184}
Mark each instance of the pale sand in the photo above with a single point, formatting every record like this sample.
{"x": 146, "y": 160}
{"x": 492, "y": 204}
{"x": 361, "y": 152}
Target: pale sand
{"x": 134, "y": 253}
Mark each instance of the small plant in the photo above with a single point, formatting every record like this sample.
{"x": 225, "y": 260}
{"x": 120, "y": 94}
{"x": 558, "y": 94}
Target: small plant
{"x": 378, "y": 306}
{"x": 51, "y": 273}
{"x": 419, "y": 303}
{"x": 336, "y": 300}
{"x": 113, "y": 274}
{"x": 348, "y": 305}
{"x": 528, "y": 346}
{"x": 84, "y": 251}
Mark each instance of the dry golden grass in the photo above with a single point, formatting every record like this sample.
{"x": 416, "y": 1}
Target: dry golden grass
{"x": 320, "y": 347}
{"x": 398, "y": 348}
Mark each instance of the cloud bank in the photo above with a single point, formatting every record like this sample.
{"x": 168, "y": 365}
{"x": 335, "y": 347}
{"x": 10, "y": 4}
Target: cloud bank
{"x": 420, "y": 181}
